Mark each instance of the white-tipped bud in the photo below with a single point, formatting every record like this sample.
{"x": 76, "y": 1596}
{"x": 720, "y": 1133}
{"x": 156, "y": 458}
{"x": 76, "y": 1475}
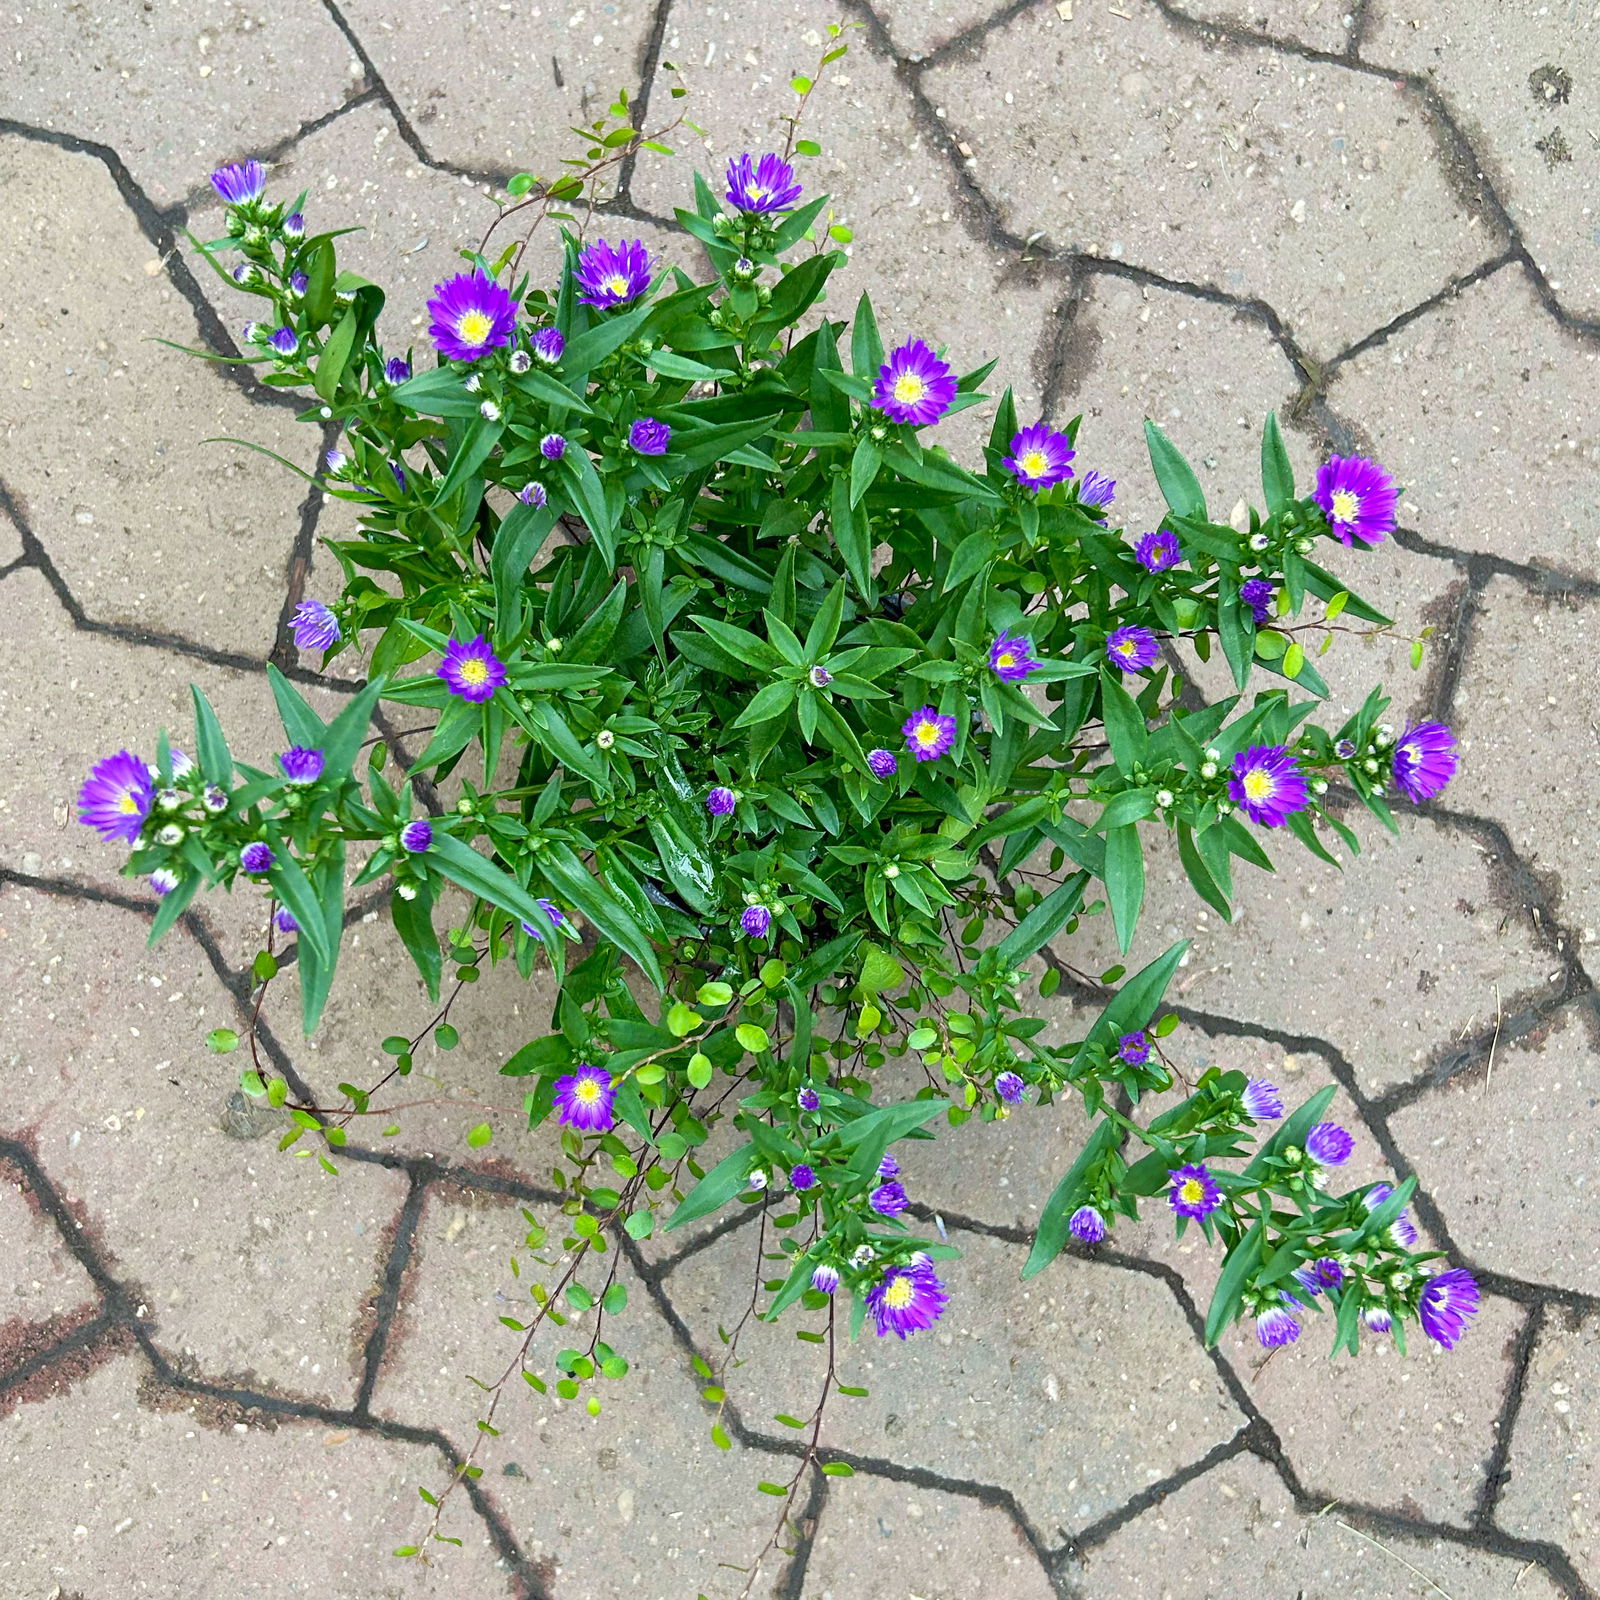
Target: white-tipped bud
{"x": 1259, "y": 542}
{"x": 1163, "y": 798}
{"x": 489, "y": 411}
{"x": 605, "y": 738}
{"x": 406, "y": 891}
{"x": 892, "y": 870}
{"x": 521, "y": 361}
{"x": 1208, "y": 771}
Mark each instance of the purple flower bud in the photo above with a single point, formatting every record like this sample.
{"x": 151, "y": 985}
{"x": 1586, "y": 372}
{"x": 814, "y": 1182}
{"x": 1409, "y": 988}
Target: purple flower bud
{"x": 720, "y": 801}
{"x": 883, "y": 763}
{"x": 257, "y": 857}
{"x": 1088, "y": 1225}
{"x": 163, "y": 881}
{"x": 649, "y": 437}
{"x": 298, "y": 283}
{"x": 802, "y": 1177}
{"x": 548, "y": 345}
{"x": 825, "y": 1279}
{"x": 300, "y": 765}
{"x": 399, "y": 474}
{"x": 888, "y": 1168}
{"x": 285, "y": 921}
{"x": 314, "y": 626}
{"x": 1329, "y": 1144}
{"x": 417, "y": 836}
{"x": 1010, "y": 1086}
{"x": 808, "y": 1099}
{"x": 294, "y": 226}
{"x": 888, "y": 1199}
{"x": 1261, "y": 1100}
{"x": 552, "y": 447}
{"x": 1134, "y": 1048}
{"x": 533, "y": 494}
{"x": 337, "y": 460}
{"x": 756, "y": 921}
{"x": 820, "y": 677}
{"x": 284, "y": 340}
{"x": 397, "y": 369}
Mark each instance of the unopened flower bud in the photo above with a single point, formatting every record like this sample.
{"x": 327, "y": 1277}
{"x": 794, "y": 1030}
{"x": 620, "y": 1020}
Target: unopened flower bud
{"x": 605, "y": 738}
{"x": 171, "y": 834}
{"x": 1319, "y": 786}
{"x": 1224, "y": 808}
{"x": 1259, "y": 542}
{"x": 892, "y": 870}
{"x": 474, "y": 383}
{"x": 489, "y": 411}
{"x": 214, "y": 798}
{"x": 554, "y": 647}
{"x": 406, "y": 891}
{"x": 1208, "y": 770}
{"x": 1213, "y": 754}
{"x": 520, "y": 361}
{"x": 169, "y": 799}
{"x": 1369, "y": 765}
{"x": 1163, "y": 798}
{"x": 1383, "y": 735}
{"x": 464, "y": 807}
{"x": 757, "y": 1178}
{"x": 744, "y": 267}
{"x": 1304, "y": 546}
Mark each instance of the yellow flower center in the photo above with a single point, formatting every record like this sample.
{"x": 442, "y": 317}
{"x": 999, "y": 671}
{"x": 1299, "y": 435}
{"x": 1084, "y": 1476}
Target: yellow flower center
{"x": 587, "y": 1090}
{"x": 617, "y": 284}
{"x": 128, "y": 805}
{"x": 756, "y": 192}
{"x": 1005, "y": 659}
{"x": 1034, "y": 463}
{"x": 1258, "y": 785}
{"x": 927, "y": 733}
{"x": 1346, "y": 505}
{"x": 1192, "y": 1191}
{"x": 1127, "y": 647}
{"x": 474, "y": 670}
{"x": 474, "y": 327}
{"x": 909, "y": 388}
{"x": 899, "y": 1294}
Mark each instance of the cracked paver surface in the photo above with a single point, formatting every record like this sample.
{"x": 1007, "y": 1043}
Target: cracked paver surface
{"x": 223, "y": 1371}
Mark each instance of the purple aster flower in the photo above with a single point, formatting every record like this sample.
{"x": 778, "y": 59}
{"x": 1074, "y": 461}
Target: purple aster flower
{"x": 257, "y": 857}
{"x": 1402, "y": 1231}
{"x": 610, "y": 275}
{"x": 1276, "y": 1326}
{"x": 1344, "y": 749}
{"x": 1447, "y": 1304}
{"x": 888, "y": 1168}
{"x": 819, "y": 677}
{"x": 882, "y": 763}
{"x": 298, "y": 283}
{"x": 802, "y": 1177}
{"x": 914, "y": 386}
{"x": 1132, "y": 649}
{"x": 416, "y": 837}
{"x": 242, "y": 184}
{"x": 583, "y": 1099}
{"x": 472, "y": 671}
{"x": 471, "y": 315}
{"x": 763, "y": 186}
{"x": 1329, "y": 1145}
{"x": 1315, "y": 1276}
{"x": 1040, "y": 457}
{"x": 907, "y": 1299}
{"x": 1134, "y": 1048}
{"x": 1425, "y": 761}
{"x": 1010, "y": 1087}
{"x": 163, "y": 881}
{"x": 1097, "y": 490}
{"x": 755, "y": 921}
{"x": 1009, "y": 658}
{"x": 1261, "y": 1100}
{"x": 533, "y": 494}
{"x": 721, "y": 801}
{"x": 1377, "y": 1318}
{"x": 1267, "y": 784}
{"x": 928, "y": 735}
{"x": 1157, "y": 551}
{"x": 294, "y": 226}
{"x": 552, "y": 447}
{"x": 548, "y": 345}
{"x": 808, "y": 1099}
{"x": 1194, "y": 1192}
{"x": 1257, "y": 594}
{"x": 284, "y": 340}
{"x": 1358, "y": 498}
{"x": 649, "y": 437}
{"x": 300, "y": 765}
{"x": 286, "y": 921}
{"x": 553, "y": 916}
{"x": 117, "y": 797}
{"x": 1087, "y": 1225}
{"x": 825, "y": 1279}
{"x": 397, "y": 369}
{"x": 314, "y": 626}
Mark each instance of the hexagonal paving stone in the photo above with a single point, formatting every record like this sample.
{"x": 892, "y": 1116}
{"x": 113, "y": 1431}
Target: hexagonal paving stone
{"x": 1507, "y": 1154}
{"x": 250, "y": 1262}
{"x": 583, "y": 1494}
{"x": 1554, "y": 1487}
{"x": 1524, "y": 87}
{"x": 931, "y": 271}
{"x": 147, "y": 1481}
{"x": 542, "y": 70}
{"x": 148, "y": 523}
{"x": 1236, "y": 1532}
{"x": 1074, "y": 1392}
{"x": 1258, "y": 173}
{"x": 1134, "y": 351}
{"x": 101, "y": 694}
{"x": 1523, "y": 713}
{"x": 174, "y": 91}
{"x": 43, "y": 1279}
{"x": 1413, "y": 927}
{"x": 881, "y": 1537}
{"x": 1474, "y": 408}
{"x": 1321, "y": 24}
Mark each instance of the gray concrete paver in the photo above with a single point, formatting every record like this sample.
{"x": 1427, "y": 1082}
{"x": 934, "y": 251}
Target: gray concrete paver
{"x": 1254, "y": 172}
{"x": 42, "y": 1279}
{"x": 1319, "y": 24}
{"x": 919, "y": 27}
